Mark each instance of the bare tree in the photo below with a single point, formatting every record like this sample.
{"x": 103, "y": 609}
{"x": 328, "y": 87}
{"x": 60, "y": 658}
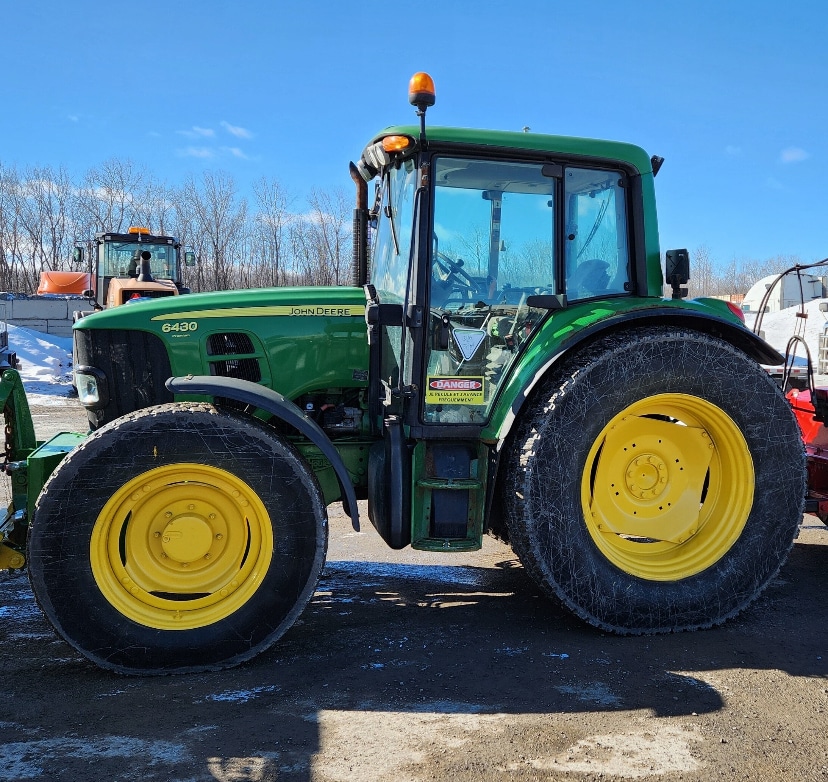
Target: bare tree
{"x": 702, "y": 272}
{"x": 321, "y": 240}
{"x": 154, "y": 207}
{"x": 36, "y": 225}
{"x": 11, "y": 244}
{"x": 266, "y": 261}
{"x": 213, "y": 221}
{"x": 106, "y": 200}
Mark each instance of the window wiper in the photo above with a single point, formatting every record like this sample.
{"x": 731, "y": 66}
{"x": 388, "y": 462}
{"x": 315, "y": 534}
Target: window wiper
{"x": 601, "y": 212}
{"x": 389, "y": 213}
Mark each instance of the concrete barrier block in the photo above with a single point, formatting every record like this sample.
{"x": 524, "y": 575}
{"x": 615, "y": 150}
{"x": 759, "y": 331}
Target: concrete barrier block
{"x": 30, "y": 323}
{"x": 59, "y": 328}
{"x": 39, "y": 308}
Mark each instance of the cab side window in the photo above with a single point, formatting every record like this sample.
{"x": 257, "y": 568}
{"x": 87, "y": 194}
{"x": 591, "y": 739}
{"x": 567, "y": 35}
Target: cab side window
{"x": 596, "y": 246}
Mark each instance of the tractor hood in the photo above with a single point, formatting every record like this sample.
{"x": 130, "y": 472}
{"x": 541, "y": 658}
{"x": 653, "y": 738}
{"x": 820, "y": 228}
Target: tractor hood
{"x": 256, "y": 303}
{"x": 296, "y": 341}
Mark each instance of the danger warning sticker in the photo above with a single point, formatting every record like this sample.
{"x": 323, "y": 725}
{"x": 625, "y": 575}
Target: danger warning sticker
{"x": 455, "y": 391}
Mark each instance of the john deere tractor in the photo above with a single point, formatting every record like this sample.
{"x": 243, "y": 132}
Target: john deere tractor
{"x": 505, "y": 362}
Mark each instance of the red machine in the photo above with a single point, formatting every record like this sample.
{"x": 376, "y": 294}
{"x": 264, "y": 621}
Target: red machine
{"x": 811, "y": 410}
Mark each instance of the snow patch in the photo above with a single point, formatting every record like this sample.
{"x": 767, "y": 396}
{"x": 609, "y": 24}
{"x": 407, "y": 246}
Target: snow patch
{"x": 44, "y": 364}
{"x": 30, "y": 759}
{"x": 242, "y": 696}
{"x": 591, "y": 692}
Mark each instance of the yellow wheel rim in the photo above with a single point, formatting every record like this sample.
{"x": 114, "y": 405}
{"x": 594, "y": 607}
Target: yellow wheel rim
{"x": 668, "y": 487}
{"x": 181, "y": 546}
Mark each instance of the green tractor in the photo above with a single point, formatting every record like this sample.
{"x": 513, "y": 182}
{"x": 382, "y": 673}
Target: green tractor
{"x": 504, "y": 363}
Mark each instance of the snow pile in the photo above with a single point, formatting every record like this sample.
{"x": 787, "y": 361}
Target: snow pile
{"x": 779, "y": 327}
{"x": 44, "y": 363}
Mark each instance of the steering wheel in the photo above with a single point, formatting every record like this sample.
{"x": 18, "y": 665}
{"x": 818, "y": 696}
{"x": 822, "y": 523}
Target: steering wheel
{"x": 452, "y": 277}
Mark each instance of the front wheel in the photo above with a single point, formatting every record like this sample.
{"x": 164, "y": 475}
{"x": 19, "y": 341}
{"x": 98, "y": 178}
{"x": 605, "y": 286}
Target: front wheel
{"x": 656, "y": 482}
{"x": 178, "y": 538}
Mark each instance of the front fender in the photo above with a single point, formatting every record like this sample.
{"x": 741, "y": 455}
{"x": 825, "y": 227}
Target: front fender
{"x": 278, "y": 406}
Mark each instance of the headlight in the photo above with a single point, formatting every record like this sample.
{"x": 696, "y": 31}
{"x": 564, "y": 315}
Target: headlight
{"x": 92, "y": 388}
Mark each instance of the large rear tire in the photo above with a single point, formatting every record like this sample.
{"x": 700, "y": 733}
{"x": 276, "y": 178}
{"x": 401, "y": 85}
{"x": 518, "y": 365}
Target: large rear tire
{"x": 656, "y": 482}
{"x": 178, "y": 538}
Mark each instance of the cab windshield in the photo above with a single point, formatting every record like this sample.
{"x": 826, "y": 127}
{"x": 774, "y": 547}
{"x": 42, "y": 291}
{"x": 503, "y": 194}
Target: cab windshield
{"x": 390, "y": 255}
{"x": 119, "y": 259}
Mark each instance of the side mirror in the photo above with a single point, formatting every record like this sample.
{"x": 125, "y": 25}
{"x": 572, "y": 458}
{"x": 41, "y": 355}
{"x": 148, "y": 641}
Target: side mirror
{"x": 189, "y": 258}
{"x": 823, "y": 306}
{"x": 677, "y": 271}
{"x": 77, "y": 255}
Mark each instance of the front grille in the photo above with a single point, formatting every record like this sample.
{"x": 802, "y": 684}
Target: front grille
{"x": 230, "y": 361}
{"x": 241, "y": 368}
{"x": 232, "y": 344}
{"x": 136, "y": 366}
{"x": 227, "y": 348}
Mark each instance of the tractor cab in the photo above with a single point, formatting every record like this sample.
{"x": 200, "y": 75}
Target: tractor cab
{"x": 135, "y": 266}
{"x": 471, "y": 248}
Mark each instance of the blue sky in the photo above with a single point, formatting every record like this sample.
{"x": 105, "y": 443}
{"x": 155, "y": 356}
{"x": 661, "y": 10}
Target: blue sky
{"x": 734, "y": 95}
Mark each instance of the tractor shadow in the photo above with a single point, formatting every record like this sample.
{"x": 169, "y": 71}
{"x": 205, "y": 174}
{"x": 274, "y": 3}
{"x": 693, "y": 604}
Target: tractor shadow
{"x": 419, "y": 645}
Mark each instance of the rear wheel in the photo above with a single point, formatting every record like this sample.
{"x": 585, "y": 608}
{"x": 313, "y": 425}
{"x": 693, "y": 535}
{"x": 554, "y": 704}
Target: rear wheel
{"x": 177, "y": 539}
{"x": 656, "y": 482}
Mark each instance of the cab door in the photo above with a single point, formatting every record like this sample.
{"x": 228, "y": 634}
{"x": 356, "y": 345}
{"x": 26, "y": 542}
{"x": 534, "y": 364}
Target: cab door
{"x": 390, "y": 295}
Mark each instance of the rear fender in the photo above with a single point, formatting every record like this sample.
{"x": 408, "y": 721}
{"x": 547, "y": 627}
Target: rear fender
{"x": 549, "y": 350}
{"x": 278, "y": 406}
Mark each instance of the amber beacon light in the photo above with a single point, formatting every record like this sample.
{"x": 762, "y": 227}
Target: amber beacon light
{"x": 421, "y": 91}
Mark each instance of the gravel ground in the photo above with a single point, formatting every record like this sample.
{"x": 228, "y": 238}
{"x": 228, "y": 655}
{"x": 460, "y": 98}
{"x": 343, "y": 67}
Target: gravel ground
{"x": 411, "y": 666}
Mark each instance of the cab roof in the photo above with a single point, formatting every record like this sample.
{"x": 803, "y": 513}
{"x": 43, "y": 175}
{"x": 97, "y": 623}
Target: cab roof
{"x": 629, "y": 154}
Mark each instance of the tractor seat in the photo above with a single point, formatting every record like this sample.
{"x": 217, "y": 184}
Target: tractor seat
{"x": 589, "y": 279}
